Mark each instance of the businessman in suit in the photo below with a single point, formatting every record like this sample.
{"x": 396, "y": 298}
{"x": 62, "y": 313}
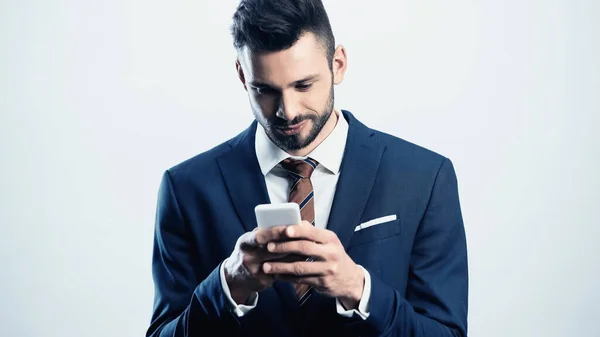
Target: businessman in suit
{"x": 381, "y": 250}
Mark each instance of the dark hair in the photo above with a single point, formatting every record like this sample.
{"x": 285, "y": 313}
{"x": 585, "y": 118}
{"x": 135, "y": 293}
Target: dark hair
{"x": 274, "y": 25}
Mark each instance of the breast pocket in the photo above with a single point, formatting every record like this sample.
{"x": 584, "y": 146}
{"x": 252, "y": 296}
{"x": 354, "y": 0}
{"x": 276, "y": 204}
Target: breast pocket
{"x": 376, "y": 229}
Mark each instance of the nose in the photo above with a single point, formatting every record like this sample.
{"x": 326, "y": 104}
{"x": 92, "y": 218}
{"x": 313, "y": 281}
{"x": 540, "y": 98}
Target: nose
{"x": 289, "y": 106}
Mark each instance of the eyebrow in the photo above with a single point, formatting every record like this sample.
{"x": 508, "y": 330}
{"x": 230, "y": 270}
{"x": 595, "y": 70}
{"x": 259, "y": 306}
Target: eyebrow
{"x": 295, "y": 83}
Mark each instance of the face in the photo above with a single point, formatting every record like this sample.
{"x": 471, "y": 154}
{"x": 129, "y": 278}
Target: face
{"x": 291, "y": 92}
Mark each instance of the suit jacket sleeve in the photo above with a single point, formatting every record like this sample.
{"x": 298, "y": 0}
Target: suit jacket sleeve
{"x": 435, "y": 303}
{"x": 184, "y": 304}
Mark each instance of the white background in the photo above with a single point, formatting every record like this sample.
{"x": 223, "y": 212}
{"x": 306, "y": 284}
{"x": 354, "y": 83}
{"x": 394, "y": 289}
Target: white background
{"x": 98, "y": 98}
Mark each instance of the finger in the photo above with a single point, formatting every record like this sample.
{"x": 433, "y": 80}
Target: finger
{"x": 258, "y": 253}
{"x": 276, "y": 233}
{"x": 309, "y": 233}
{"x": 314, "y": 268}
{"x": 254, "y": 259}
{"x": 300, "y": 247}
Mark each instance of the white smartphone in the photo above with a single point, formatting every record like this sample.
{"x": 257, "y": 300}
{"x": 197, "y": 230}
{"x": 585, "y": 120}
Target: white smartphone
{"x": 270, "y": 215}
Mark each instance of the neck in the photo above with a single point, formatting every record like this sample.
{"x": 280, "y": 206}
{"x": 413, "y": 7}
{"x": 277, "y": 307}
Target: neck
{"x": 327, "y": 129}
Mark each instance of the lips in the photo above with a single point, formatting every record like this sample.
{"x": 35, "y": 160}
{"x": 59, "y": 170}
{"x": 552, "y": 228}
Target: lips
{"x": 292, "y": 129}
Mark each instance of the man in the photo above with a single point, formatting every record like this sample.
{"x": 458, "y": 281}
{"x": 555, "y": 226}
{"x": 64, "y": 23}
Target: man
{"x": 381, "y": 216}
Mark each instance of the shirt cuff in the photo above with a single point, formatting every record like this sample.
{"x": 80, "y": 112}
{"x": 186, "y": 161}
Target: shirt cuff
{"x": 238, "y": 309}
{"x": 363, "y": 305}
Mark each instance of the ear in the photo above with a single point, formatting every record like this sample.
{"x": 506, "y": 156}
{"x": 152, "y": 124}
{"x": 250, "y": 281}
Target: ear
{"x": 340, "y": 64}
{"x": 240, "y": 72}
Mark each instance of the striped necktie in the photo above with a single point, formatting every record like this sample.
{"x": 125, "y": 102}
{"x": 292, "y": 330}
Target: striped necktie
{"x": 302, "y": 193}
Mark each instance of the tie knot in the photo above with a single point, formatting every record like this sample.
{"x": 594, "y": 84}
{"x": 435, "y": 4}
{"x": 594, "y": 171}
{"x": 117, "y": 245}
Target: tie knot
{"x": 302, "y": 167}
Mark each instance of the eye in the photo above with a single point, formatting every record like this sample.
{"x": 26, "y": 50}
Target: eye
{"x": 264, "y": 90}
{"x": 303, "y": 87}
{"x": 261, "y": 90}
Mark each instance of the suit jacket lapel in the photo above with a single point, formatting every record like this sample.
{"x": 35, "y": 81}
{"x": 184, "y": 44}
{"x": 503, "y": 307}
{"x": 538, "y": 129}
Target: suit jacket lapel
{"x": 243, "y": 178}
{"x": 357, "y": 174}
{"x": 358, "y": 171}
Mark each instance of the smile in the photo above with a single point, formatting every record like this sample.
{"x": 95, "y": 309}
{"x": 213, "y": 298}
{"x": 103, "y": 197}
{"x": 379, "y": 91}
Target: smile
{"x": 292, "y": 129}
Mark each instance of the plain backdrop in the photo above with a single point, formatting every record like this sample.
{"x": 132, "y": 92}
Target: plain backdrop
{"x": 98, "y": 98}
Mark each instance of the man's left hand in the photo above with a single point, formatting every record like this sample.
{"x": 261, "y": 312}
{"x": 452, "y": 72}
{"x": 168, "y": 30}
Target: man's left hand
{"x": 332, "y": 272}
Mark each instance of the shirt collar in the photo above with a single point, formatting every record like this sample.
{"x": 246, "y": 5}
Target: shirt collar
{"x": 329, "y": 153}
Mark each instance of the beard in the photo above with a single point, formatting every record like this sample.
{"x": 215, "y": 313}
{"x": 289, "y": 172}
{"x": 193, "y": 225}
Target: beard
{"x": 297, "y": 142}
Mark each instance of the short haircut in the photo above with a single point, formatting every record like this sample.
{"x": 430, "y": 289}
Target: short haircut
{"x": 275, "y": 25}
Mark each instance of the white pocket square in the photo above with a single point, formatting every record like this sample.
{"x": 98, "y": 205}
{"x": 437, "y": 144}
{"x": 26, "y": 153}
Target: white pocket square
{"x": 374, "y": 222}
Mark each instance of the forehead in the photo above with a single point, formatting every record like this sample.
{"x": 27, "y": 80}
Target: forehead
{"x": 306, "y": 57}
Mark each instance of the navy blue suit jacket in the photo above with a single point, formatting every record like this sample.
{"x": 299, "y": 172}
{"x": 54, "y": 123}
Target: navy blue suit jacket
{"x": 417, "y": 263}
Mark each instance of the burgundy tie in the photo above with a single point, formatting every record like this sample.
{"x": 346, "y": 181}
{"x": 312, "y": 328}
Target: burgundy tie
{"x": 302, "y": 194}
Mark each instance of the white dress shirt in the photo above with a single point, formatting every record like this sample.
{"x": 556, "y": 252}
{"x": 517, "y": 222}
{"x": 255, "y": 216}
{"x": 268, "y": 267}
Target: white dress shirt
{"x": 324, "y": 180}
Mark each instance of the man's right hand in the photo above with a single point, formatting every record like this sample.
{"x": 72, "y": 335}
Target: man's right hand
{"x": 243, "y": 269}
